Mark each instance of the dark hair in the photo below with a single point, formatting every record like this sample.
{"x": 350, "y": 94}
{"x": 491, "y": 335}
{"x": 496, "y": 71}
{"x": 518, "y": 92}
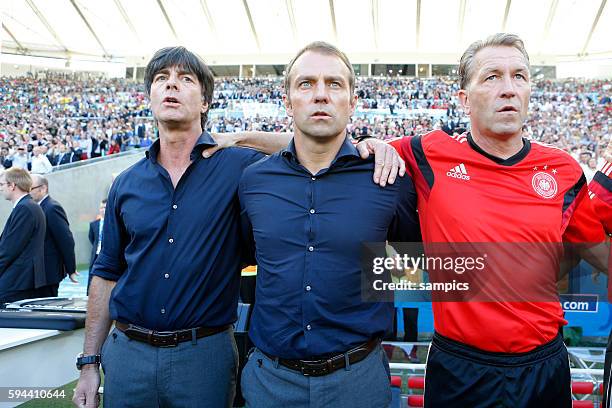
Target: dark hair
{"x": 188, "y": 61}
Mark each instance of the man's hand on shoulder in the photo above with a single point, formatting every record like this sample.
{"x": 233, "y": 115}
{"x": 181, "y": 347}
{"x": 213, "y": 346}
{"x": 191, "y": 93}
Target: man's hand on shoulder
{"x": 388, "y": 163}
{"x": 223, "y": 140}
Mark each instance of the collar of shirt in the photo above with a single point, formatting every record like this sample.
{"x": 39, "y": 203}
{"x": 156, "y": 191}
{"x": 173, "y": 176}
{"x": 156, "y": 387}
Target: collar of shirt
{"x": 204, "y": 140}
{"x": 347, "y": 151}
{"x": 43, "y": 199}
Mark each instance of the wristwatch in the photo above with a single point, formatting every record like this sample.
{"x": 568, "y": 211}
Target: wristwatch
{"x": 83, "y": 360}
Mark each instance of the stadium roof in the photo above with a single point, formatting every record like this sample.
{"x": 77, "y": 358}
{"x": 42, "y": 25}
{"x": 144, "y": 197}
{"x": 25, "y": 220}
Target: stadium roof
{"x": 226, "y": 30}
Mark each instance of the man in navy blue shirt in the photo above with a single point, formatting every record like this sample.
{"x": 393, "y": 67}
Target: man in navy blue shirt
{"x": 309, "y": 209}
{"x": 168, "y": 271}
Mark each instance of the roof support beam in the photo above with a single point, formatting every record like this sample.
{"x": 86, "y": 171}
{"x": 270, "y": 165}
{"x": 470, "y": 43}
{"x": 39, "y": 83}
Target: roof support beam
{"x": 248, "y": 13}
{"x": 211, "y": 21}
{"x": 163, "y": 10}
{"x": 20, "y": 47}
{"x": 549, "y": 20}
{"x": 597, "y": 16}
{"x": 461, "y": 23}
{"x": 289, "y": 4}
{"x": 127, "y": 20}
{"x": 375, "y": 24}
{"x": 508, "y": 2}
{"x": 46, "y": 24}
{"x": 332, "y": 13}
{"x": 418, "y": 24}
{"x": 91, "y": 30}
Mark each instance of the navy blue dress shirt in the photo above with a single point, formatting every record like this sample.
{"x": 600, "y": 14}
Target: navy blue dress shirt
{"x": 175, "y": 252}
{"x": 308, "y": 230}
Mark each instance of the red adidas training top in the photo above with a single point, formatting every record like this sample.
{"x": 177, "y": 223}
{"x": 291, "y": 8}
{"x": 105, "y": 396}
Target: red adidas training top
{"x": 467, "y": 195}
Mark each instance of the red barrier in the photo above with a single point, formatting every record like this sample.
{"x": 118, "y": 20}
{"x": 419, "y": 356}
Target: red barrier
{"x": 600, "y": 388}
{"x": 416, "y": 383}
{"x": 582, "y": 387}
{"x": 583, "y": 404}
{"x": 415, "y": 400}
{"x": 396, "y": 381}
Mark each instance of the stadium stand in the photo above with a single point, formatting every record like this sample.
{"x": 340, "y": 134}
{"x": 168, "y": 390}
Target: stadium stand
{"x": 77, "y": 119}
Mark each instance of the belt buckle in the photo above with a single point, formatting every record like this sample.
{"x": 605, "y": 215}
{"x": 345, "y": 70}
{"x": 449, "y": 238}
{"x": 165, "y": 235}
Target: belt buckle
{"x": 166, "y": 339}
{"x": 314, "y": 368}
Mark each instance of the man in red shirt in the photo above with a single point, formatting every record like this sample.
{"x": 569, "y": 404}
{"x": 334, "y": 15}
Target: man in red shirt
{"x": 493, "y": 186}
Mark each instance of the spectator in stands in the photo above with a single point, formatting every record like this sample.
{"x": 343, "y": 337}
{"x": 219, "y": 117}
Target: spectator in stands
{"x": 5, "y": 159}
{"x": 114, "y": 147}
{"x": 40, "y": 162}
{"x": 20, "y": 158}
{"x": 22, "y": 265}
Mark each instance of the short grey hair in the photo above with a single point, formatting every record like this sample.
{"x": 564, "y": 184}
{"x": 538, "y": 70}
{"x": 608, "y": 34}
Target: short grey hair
{"x": 41, "y": 180}
{"x": 466, "y": 64}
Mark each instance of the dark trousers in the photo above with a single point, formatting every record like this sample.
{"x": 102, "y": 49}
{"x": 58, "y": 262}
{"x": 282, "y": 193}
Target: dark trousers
{"x": 16, "y": 295}
{"x": 411, "y": 326}
{"x": 247, "y": 289}
{"x": 48, "y": 291}
{"x": 458, "y": 376}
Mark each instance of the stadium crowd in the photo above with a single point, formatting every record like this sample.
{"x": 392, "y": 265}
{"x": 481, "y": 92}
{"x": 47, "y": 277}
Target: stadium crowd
{"x": 58, "y": 119}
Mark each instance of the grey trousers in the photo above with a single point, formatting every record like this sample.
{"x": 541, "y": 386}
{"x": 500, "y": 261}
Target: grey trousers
{"x": 365, "y": 384}
{"x": 199, "y": 373}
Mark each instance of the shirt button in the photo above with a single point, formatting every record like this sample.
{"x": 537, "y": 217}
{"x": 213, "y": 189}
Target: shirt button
{"x": 312, "y": 210}
{"x": 171, "y": 240}
{"x": 311, "y": 248}
{"x": 174, "y": 206}
{"x": 167, "y": 275}
{"x": 308, "y": 327}
{"x": 163, "y": 311}
{"x": 308, "y": 288}
{"x": 313, "y": 178}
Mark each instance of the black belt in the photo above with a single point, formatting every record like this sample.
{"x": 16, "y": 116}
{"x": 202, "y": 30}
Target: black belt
{"x": 167, "y": 338}
{"x": 318, "y": 368}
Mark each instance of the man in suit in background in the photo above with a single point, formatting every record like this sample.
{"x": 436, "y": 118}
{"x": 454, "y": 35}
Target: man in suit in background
{"x": 95, "y": 237}
{"x": 59, "y": 243}
{"x": 22, "y": 265}
{"x": 66, "y": 155}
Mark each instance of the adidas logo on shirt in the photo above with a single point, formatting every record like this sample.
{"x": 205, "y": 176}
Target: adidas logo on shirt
{"x": 458, "y": 172}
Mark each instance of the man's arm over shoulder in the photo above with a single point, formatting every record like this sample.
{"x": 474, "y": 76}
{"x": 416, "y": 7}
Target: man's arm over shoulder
{"x": 16, "y": 235}
{"x": 265, "y": 142}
